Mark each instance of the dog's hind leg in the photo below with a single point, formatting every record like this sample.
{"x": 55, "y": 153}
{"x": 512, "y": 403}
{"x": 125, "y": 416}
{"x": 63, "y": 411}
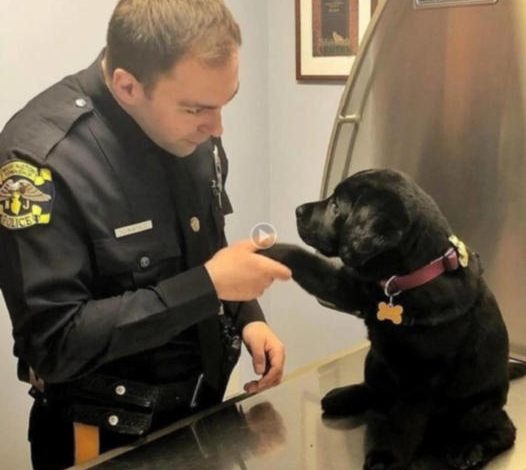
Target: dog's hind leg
{"x": 480, "y": 434}
{"x": 348, "y": 400}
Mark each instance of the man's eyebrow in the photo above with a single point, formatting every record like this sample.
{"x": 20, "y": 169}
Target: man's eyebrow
{"x": 197, "y": 104}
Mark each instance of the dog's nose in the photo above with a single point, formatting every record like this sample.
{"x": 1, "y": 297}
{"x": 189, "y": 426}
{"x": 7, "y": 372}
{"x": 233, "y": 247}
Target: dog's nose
{"x": 300, "y": 211}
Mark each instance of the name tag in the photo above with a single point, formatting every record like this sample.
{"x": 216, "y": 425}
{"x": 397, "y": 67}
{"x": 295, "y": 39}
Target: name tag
{"x": 132, "y": 229}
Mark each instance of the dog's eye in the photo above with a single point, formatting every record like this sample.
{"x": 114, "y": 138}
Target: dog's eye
{"x": 333, "y": 206}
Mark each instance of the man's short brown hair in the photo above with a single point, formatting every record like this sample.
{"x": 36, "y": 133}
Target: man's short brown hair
{"x": 148, "y": 37}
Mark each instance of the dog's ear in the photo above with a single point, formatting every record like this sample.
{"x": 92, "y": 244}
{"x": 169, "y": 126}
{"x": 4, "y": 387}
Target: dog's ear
{"x": 372, "y": 227}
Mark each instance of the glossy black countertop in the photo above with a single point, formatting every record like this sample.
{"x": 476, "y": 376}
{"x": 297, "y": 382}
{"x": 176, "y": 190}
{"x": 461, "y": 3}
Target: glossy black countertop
{"x": 283, "y": 428}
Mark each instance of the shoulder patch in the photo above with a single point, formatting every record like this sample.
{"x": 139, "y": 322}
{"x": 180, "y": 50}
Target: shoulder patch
{"x": 26, "y": 195}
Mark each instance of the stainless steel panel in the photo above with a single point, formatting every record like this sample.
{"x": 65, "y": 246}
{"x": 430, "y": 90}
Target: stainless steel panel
{"x": 440, "y": 94}
{"x": 283, "y": 429}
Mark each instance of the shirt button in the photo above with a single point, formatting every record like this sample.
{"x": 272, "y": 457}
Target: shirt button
{"x": 81, "y": 103}
{"x": 113, "y": 420}
{"x": 144, "y": 262}
{"x": 120, "y": 390}
{"x": 195, "y": 224}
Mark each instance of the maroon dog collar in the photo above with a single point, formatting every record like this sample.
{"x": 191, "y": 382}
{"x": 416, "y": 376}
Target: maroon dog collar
{"x": 457, "y": 255}
{"x": 449, "y": 261}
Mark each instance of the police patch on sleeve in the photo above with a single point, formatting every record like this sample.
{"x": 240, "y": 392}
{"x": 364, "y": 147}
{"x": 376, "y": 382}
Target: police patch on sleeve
{"x": 26, "y": 195}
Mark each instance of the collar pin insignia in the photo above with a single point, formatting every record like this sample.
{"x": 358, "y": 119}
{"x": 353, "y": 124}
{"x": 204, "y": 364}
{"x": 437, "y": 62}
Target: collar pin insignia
{"x": 195, "y": 224}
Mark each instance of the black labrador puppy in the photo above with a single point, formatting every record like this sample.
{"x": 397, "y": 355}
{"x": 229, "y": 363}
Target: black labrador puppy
{"x": 438, "y": 362}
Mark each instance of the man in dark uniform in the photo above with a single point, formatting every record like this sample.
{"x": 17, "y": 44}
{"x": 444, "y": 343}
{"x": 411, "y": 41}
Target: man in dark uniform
{"x": 128, "y": 307}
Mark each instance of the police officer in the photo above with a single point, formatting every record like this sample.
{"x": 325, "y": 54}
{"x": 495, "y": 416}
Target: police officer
{"x": 128, "y": 307}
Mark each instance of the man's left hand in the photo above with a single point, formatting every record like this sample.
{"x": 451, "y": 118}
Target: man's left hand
{"x": 268, "y": 355}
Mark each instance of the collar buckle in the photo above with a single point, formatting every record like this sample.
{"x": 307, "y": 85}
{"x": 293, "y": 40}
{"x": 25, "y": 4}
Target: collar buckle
{"x": 450, "y": 260}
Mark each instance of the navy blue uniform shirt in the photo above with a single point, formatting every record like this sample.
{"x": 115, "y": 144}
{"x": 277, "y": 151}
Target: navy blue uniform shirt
{"x": 103, "y": 236}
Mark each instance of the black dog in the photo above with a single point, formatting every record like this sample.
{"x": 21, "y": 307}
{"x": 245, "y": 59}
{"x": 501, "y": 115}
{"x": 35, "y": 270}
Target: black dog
{"x": 438, "y": 362}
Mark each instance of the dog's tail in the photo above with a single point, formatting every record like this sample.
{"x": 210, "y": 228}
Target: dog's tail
{"x": 516, "y": 368}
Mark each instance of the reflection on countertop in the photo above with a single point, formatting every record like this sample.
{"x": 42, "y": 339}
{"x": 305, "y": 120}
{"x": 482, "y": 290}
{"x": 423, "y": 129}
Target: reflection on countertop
{"x": 283, "y": 428}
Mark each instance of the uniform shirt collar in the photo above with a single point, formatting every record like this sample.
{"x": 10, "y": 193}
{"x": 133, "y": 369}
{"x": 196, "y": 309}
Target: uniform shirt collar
{"x": 120, "y": 122}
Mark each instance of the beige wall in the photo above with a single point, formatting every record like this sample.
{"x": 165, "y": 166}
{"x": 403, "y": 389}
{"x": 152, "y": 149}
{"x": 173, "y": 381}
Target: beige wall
{"x": 301, "y": 116}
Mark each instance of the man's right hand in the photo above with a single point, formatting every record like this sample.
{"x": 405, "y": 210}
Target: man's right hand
{"x": 239, "y": 273}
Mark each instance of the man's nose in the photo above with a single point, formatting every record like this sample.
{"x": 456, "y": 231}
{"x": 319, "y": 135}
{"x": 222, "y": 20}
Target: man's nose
{"x": 214, "y": 124}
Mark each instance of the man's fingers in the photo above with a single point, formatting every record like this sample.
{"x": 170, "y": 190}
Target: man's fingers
{"x": 271, "y": 378}
{"x": 259, "y": 362}
{"x": 275, "y": 269}
{"x": 277, "y": 358}
{"x": 274, "y": 374}
{"x": 251, "y": 387}
{"x": 248, "y": 245}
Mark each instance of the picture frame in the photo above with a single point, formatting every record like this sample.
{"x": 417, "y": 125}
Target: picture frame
{"x": 328, "y": 33}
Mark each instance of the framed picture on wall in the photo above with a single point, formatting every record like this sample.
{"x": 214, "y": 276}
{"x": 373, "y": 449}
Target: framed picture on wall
{"x": 328, "y": 33}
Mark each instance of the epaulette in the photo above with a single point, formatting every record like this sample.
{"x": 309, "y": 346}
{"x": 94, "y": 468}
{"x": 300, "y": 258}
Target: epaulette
{"x": 36, "y": 129}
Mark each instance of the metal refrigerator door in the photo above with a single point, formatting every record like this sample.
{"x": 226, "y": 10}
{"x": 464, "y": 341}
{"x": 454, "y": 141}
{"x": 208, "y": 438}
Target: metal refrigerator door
{"x": 438, "y": 91}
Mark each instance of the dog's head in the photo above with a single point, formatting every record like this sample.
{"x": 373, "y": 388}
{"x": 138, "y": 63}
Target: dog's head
{"x": 370, "y": 214}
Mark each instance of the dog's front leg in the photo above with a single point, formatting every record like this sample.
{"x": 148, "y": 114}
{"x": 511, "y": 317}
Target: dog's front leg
{"x": 318, "y": 275}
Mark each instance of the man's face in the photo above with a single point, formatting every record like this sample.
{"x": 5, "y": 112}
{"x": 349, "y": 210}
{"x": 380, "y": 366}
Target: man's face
{"x": 184, "y": 108}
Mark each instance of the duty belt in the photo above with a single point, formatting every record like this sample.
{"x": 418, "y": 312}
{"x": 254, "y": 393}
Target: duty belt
{"x": 125, "y": 406}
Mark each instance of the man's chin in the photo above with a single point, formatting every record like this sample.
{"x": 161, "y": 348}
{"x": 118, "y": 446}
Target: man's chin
{"x": 182, "y": 149}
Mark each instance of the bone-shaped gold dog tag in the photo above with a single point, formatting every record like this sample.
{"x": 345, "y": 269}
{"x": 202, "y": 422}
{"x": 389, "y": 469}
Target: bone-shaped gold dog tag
{"x": 390, "y": 312}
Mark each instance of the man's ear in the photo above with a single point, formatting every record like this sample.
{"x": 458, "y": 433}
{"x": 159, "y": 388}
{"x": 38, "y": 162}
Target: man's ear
{"x": 371, "y": 229}
{"x": 126, "y": 88}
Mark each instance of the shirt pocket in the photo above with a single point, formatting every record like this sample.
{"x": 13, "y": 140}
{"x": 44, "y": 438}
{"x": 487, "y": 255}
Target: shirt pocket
{"x": 136, "y": 261}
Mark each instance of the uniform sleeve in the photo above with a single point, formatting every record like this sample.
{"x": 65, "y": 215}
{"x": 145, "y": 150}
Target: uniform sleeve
{"x": 60, "y": 329}
{"x": 246, "y": 312}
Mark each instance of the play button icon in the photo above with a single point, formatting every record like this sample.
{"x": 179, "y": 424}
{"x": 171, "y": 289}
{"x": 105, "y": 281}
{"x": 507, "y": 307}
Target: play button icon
{"x": 263, "y": 235}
